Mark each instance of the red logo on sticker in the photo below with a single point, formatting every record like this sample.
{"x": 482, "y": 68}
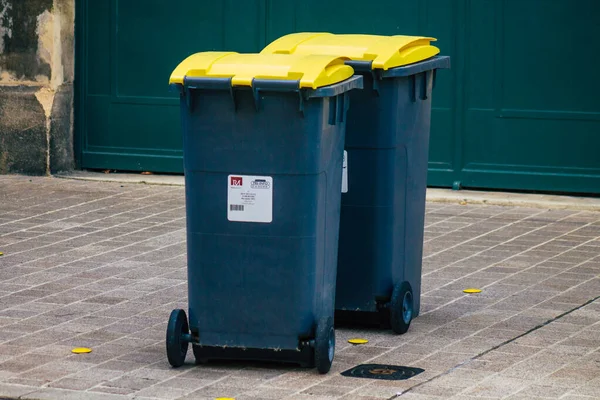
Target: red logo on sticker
{"x": 236, "y": 181}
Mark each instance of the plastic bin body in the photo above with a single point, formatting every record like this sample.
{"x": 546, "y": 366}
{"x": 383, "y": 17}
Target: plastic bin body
{"x": 387, "y": 145}
{"x": 262, "y": 285}
{"x": 382, "y": 217}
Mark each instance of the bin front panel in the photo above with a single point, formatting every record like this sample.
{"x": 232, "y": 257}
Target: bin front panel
{"x": 276, "y": 138}
{"x": 252, "y": 290}
{"x": 261, "y": 285}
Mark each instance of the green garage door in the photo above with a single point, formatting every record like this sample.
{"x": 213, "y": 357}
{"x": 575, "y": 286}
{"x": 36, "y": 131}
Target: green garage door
{"x": 519, "y": 109}
{"x": 127, "y": 117}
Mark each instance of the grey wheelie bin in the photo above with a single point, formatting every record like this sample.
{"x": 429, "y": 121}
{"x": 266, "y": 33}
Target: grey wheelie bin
{"x": 263, "y": 140}
{"x": 385, "y": 171}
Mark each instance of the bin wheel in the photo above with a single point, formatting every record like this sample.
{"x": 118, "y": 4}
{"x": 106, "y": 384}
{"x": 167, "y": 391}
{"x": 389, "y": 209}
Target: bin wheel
{"x": 324, "y": 345}
{"x": 177, "y": 347}
{"x": 401, "y": 307}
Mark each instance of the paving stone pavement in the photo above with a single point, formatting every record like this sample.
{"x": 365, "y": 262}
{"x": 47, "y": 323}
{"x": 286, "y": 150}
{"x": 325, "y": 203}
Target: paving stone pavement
{"x": 101, "y": 265}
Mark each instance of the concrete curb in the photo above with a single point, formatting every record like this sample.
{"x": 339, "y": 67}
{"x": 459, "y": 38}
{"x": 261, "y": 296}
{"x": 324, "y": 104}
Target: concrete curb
{"x": 545, "y": 201}
{"x": 154, "y": 179}
{"x": 463, "y": 197}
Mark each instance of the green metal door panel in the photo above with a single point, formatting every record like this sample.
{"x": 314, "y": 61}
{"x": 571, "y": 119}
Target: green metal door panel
{"x": 554, "y": 50}
{"x": 243, "y": 25}
{"x": 97, "y": 42}
{"x": 483, "y": 32}
{"x": 387, "y": 17}
{"x": 148, "y": 122}
{"x": 480, "y": 55}
{"x": 129, "y": 119}
{"x": 518, "y": 110}
{"x": 532, "y": 112}
{"x": 441, "y": 19}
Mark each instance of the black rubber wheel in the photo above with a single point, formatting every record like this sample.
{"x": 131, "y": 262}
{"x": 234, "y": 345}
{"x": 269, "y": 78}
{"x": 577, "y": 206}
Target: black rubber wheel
{"x": 177, "y": 347}
{"x": 324, "y": 345}
{"x": 401, "y": 307}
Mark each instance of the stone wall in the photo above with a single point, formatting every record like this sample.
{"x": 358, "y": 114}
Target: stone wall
{"x": 37, "y": 56}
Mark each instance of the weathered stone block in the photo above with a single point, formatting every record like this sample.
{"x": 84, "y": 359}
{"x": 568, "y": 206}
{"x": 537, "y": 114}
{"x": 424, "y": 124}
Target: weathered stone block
{"x": 23, "y": 132}
{"x": 36, "y": 86}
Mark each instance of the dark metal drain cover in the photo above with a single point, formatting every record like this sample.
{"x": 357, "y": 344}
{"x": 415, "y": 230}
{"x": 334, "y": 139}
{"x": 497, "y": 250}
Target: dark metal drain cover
{"x": 384, "y": 372}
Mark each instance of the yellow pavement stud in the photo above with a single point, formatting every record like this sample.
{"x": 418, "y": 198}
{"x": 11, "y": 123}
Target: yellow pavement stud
{"x": 81, "y": 350}
{"x": 472, "y": 290}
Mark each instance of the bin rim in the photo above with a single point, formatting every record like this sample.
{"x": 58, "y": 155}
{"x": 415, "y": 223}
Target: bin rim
{"x": 354, "y": 82}
{"x": 433, "y": 63}
{"x": 438, "y": 62}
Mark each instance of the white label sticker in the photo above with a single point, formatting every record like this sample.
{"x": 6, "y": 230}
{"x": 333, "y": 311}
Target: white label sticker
{"x": 345, "y": 173}
{"x": 250, "y": 198}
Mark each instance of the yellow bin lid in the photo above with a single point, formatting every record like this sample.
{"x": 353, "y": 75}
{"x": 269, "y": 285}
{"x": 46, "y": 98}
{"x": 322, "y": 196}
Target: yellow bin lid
{"x": 385, "y": 52}
{"x": 311, "y": 71}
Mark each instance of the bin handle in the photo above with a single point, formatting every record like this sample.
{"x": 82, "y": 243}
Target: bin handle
{"x": 278, "y": 85}
{"x": 258, "y": 85}
{"x": 275, "y": 85}
{"x": 206, "y": 83}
